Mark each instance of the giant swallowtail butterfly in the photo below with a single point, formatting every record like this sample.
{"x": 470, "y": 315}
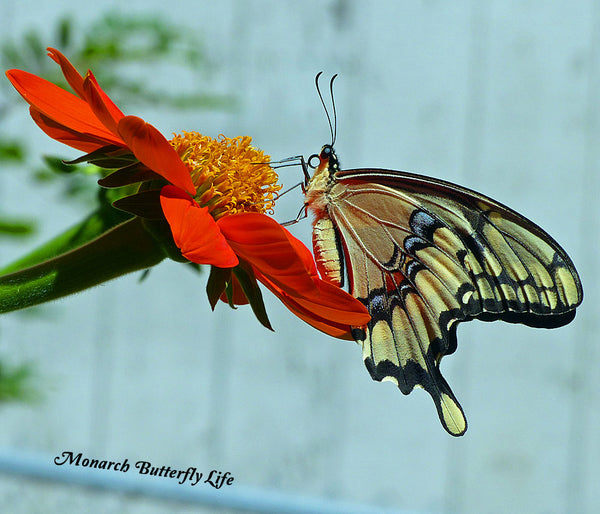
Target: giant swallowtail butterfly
{"x": 423, "y": 255}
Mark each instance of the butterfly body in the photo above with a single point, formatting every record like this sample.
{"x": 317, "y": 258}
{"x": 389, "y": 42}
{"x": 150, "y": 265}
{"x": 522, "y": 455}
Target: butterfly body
{"x": 320, "y": 196}
{"x": 423, "y": 255}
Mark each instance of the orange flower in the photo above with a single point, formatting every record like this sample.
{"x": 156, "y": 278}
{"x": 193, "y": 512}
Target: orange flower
{"x": 212, "y": 193}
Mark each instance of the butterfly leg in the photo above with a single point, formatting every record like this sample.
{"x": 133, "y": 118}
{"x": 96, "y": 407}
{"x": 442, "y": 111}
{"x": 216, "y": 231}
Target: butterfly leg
{"x": 289, "y": 161}
{"x": 303, "y": 213}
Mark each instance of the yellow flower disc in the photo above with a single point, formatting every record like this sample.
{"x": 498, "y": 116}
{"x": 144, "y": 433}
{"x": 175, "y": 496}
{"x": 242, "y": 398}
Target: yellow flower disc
{"x": 230, "y": 175}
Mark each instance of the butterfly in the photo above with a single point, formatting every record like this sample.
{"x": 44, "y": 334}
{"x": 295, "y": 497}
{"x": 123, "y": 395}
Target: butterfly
{"x": 424, "y": 255}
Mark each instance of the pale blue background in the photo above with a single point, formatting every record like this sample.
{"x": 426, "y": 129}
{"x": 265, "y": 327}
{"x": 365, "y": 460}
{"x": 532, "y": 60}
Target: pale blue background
{"x": 500, "y": 96}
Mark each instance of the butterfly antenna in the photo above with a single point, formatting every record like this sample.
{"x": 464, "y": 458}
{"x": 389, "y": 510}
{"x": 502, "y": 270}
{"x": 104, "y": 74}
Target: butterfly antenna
{"x": 334, "y": 132}
{"x": 324, "y": 106}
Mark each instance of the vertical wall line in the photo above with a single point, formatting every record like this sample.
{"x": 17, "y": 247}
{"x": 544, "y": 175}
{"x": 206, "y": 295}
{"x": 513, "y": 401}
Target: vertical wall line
{"x": 473, "y": 139}
{"x": 476, "y": 89}
{"x": 223, "y": 332}
{"x": 6, "y": 19}
{"x": 579, "y": 486}
{"x": 103, "y": 379}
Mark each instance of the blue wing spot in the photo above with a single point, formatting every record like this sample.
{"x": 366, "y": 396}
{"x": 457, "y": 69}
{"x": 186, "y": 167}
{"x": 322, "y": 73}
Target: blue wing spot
{"x": 424, "y": 224}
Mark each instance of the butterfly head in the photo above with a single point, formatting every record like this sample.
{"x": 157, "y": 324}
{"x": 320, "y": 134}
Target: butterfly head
{"x": 325, "y": 162}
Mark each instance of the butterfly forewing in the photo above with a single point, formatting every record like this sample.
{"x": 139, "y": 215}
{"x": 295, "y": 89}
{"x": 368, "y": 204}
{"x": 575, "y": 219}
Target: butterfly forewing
{"x": 423, "y": 255}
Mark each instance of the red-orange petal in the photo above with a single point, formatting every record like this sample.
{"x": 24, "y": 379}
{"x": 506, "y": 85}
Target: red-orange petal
{"x": 271, "y": 249}
{"x": 153, "y": 150}
{"x": 112, "y": 108}
{"x": 102, "y": 106}
{"x": 194, "y": 230}
{"x": 329, "y": 302}
{"x": 323, "y": 325}
{"x": 336, "y": 304}
{"x": 65, "y": 135}
{"x": 73, "y": 77}
{"x": 60, "y": 106}
{"x": 330, "y": 327}
{"x": 284, "y": 264}
{"x": 89, "y": 90}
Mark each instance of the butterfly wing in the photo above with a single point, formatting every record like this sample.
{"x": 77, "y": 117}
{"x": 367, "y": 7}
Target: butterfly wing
{"x": 423, "y": 255}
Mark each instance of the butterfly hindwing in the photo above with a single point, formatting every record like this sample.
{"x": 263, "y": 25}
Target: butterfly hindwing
{"x": 424, "y": 255}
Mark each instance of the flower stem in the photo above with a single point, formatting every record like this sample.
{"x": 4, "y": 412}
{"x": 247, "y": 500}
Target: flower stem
{"x": 97, "y": 223}
{"x": 126, "y": 248}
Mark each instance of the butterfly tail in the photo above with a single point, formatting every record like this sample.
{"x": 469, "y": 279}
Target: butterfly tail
{"x": 410, "y": 376}
{"x": 449, "y": 410}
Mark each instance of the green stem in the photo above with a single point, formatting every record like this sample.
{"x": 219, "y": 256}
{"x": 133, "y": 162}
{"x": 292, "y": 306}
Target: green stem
{"x": 96, "y": 224}
{"x": 126, "y": 248}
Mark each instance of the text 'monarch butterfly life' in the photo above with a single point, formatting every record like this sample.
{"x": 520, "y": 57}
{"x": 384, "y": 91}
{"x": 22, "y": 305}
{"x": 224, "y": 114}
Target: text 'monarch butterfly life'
{"x": 424, "y": 255}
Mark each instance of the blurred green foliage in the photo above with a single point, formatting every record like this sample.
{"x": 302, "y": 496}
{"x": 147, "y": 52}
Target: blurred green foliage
{"x": 16, "y": 228}
{"x": 11, "y": 151}
{"x": 115, "y": 47}
{"x": 16, "y": 383}
{"x": 132, "y": 57}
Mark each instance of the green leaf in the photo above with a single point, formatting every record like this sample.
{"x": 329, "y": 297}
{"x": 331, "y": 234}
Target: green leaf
{"x": 229, "y": 294}
{"x": 246, "y": 278}
{"x": 128, "y": 175}
{"x": 218, "y": 279}
{"x": 126, "y": 248}
{"x": 145, "y": 204}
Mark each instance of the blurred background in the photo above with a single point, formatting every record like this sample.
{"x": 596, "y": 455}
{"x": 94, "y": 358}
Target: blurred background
{"x": 501, "y": 96}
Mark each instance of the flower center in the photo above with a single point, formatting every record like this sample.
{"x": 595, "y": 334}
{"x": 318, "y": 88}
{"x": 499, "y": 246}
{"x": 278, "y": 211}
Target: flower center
{"x": 230, "y": 175}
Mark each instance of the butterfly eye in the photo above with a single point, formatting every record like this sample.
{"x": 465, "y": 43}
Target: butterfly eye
{"x": 314, "y": 160}
{"x": 326, "y": 153}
